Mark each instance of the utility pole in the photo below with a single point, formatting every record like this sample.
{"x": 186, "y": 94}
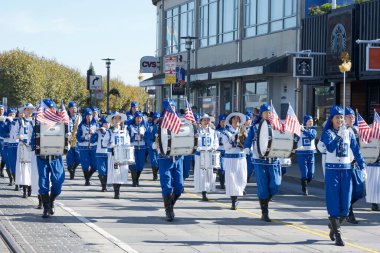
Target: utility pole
{"x": 108, "y": 65}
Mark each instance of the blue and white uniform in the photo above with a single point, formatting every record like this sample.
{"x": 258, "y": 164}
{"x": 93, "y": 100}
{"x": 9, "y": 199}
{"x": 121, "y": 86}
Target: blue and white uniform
{"x": 151, "y": 138}
{"x": 138, "y": 135}
{"x": 235, "y": 163}
{"x": 2, "y": 119}
{"x": 11, "y": 144}
{"x": 305, "y": 151}
{"x": 204, "y": 178}
{"x": 220, "y": 132}
{"x": 73, "y": 156}
{"x": 86, "y": 142}
{"x": 101, "y": 150}
{"x": 338, "y": 171}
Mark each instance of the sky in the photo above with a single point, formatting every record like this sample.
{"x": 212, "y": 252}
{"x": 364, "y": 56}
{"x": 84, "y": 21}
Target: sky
{"x": 78, "y": 32}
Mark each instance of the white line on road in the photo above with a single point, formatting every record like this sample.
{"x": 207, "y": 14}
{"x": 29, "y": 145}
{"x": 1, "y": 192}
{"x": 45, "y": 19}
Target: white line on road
{"x": 122, "y": 245}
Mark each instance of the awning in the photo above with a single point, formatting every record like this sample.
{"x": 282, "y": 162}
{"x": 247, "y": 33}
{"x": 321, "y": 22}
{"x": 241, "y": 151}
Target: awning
{"x": 280, "y": 65}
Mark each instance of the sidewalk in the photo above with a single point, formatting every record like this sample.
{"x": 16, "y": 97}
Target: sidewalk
{"x": 31, "y": 233}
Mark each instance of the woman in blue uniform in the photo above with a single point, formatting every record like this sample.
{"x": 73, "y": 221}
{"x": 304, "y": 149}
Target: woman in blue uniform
{"x": 137, "y": 132}
{"x": 338, "y": 141}
{"x": 87, "y": 145}
{"x": 102, "y": 153}
{"x": 267, "y": 170}
{"x": 72, "y": 157}
{"x": 220, "y": 130}
{"x": 150, "y": 140}
{"x": 305, "y": 152}
{"x": 10, "y": 147}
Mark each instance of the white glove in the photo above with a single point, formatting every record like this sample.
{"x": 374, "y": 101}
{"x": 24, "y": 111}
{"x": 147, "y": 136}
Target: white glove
{"x": 112, "y": 145}
{"x": 302, "y": 128}
{"x": 342, "y": 132}
{"x": 364, "y": 171}
{"x": 87, "y": 137}
{"x": 247, "y": 151}
{"x": 21, "y": 137}
{"x": 154, "y": 145}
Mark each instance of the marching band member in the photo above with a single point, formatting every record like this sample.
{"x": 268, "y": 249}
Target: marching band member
{"x": 150, "y": 140}
{"x": 72, "y": 156}
{"x": 10, "y": 146}
{"x": 137, "y": 131}
{"x": 204, "y": 180}
{"x": 305, "y": 152}
{"x": 22, "y": 132}
{"x": 338, "y": 140}
{"x": 95, "y": 113}
{"x": 117, "y": 135}
{"x": 86, "y": 144}
{"x": 220, "y": 129}
{"x": 130, "y": 114}
{"x": 235, "y": 163}
{"x": 267, "y": 170}
{"x": 171, "y": 171}
{"x": 102, "y": 153}
{"x": 356, "y": 174}
{"x": 51, "y": 172}
{"x": 2, "y": 120}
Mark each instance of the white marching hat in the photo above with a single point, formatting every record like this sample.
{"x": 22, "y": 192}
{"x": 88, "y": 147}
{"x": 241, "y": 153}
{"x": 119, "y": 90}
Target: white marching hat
{"x": 240, "y": 115}
{"x": 27, "y": 105}
{"x": 121, "y": 115}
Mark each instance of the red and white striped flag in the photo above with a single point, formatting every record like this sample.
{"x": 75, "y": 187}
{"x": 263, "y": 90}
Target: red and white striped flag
{"x": 47, "y": 116}
{"x": 275, "y": 121}
{"x": 376, "y": 126}
{"x": 170, "y": 120}
{"x": 365, "y": 131}
{"x": 291, "y": 122}
{"x": 189, "y": 113}
{"x": 64, "y": 116}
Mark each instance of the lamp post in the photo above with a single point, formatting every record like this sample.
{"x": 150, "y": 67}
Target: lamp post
{"x": 108, "y": 65}
{"x": 345, "y": 67}
{"x": 188, "y": 44}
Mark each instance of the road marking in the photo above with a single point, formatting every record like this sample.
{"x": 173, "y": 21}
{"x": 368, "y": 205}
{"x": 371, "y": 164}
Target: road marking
{"x": 302, "y": 228}
{"x": 122, "y": 245}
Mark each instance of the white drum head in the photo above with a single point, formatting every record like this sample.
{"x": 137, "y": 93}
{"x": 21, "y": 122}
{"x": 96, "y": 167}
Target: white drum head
{"x": 263, "y": 138}
{"x": 164, "y": 139}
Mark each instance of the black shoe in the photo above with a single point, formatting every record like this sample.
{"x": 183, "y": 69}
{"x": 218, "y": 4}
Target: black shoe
{"x": 233, "y": 203}
{"x": 374, "y": 207}
{"x": 86, "y": 178}
{"x": 24, "y": 191}
{"x": 304, "y": 187}
{"x": 204, "y": 196}
{"x": 71, "y": 172}
{"x": 168, "y": 206}
{"x": 116, "y": 188}
{"x": 10, "y": 177}
{"x": 46, "y": 205}
{"x": 29, "y": 191}
{"x": 52, "y": 199}
{"x": 134, "y": 178}
{"x": 155, "y": 174}
{"x": 264, "y": 210}
{"x": 39, "y": 202}
{"x": 351, "y": 217}
{"x": 335, "y": 227}
{"x": 331, "y": 234}
{"x": 16, "y": 188}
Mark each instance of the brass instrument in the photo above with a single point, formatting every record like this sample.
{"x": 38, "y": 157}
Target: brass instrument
{"x": 74, "y": 133}
{"x": 241, "y": 137}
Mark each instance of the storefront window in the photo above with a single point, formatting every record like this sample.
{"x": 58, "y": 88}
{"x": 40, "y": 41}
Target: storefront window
{"x": 208, "y": 99}
{"x": 324, "y": 97}
{"x": 255, "y": 94}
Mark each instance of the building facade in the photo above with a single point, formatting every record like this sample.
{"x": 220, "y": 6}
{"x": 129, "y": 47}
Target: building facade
{"x": 334, "y": 33}
{"x": 238, "y": 60}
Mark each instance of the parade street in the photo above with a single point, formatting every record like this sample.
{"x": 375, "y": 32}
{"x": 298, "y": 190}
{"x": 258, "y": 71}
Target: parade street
{"x": 88, "y": 220}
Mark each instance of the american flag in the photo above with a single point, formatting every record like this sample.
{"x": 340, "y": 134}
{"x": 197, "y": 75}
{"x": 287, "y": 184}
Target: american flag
{"x": 170, "y": 120}
{"x": 64, "y": 116}
{"x": 291, "y": 122}
{"x": 275, "y": 121}
{"x": 364, "y": 130}
{"x": 47, "y": 116}
{"x": 376, "y": 126}
{"x": 189, "y": 113}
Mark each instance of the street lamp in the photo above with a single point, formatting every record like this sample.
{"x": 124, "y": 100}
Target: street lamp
{"x": 188, "y": 44}
{"x": 108, "y": 64}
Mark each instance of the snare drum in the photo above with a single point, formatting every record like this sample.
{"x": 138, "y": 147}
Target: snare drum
{"x": 25, "y": 155}
{"x": 183, "y": 143}
{"x": 370, "y": 151}
{"x": 272, "y": 143}
{"x": 209, "y": 159}
{"x": 124, "y": 154}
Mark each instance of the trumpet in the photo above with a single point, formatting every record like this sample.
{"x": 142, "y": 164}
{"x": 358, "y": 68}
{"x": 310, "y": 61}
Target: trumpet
{"x": 241, "y": 137}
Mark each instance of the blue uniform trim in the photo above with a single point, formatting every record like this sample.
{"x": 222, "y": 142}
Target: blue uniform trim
{"x": 13, "y": 144}
{"x": 338, "y": 165}
{"x": 240, "y": 155}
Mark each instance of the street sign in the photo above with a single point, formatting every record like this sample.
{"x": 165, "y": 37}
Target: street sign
{"x": 149, "y": 64}
{"x": 373, "y": 58}
{"x": 98, "y": 94}
{"x": 170, "y": 63}
{"x": 179, "y": 86}
{"x": 303, "y": 67}
{"x": 96, "y": 82}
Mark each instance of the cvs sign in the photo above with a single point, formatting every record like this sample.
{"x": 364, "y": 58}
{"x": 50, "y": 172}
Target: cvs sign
{"x": 149, "y": 64}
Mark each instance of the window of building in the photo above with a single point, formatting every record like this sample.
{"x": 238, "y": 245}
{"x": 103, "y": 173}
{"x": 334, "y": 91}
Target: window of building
{"x": 208, "y": 99}
{"x": 179, "y": 23}
{"x": 255, "y": 94}
{"x": 218, "y": 21}
{"x": 279, "y": 14}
